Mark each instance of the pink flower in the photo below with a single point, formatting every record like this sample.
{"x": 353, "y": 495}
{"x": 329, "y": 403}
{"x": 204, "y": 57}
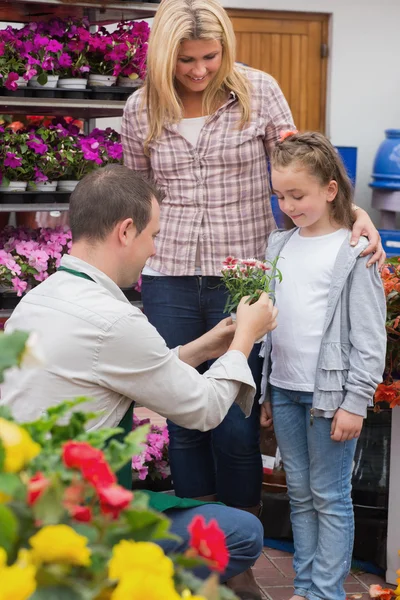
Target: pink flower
{"x": 12, "y": 161}
{"x": 10, "y": 83}
{"x": 38, "y": 260}
{"x": 54, "y": 46}
{"x": 65, "y": 60}
{"x": 230, "y": 260}
{"x": 19, "y": 285}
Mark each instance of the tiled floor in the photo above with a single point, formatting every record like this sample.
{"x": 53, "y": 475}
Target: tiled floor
{"x": 274, "y": 570}
{"x": 274, "y": 575}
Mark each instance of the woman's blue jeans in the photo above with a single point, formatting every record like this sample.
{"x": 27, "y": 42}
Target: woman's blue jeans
{"x": 318, "y": 475}
{"x": 227, "y": 460}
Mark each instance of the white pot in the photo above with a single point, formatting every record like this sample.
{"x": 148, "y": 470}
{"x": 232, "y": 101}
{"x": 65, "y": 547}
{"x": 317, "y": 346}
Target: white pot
{"x": 42, "y": 186}
{"x": 233, "y": 317}
{"x": 102, "y": 80}
{"x": 51, "y": 82}
{"x": 72, "y": 83}
{"x": 128, "y": 82}
{"x": 21, "y": 82}
{"x": 14, "y": 186}
{"x": 66, "y": 185}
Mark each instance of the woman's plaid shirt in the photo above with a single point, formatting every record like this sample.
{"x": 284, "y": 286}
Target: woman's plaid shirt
{"x": 216, "y": 194}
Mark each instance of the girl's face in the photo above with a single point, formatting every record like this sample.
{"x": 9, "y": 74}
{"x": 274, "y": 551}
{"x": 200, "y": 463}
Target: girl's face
{"x": 197, "y": 64}
{"x": 304, "y": 199}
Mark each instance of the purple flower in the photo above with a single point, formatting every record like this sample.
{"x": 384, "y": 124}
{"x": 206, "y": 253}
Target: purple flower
{"x": 2, "y": 47}
{"x": 12, "y": 161}
{"x": 48, "y": 63}
{"x": 19, "y": 286}
{"x": 115, "y": 151}
{"x": 54, "y": 46}
{"x": 39, "y": 176}
{"x": 40, "y": 41}
{"x": 29, "y": 74}
{"x": 11, "y": 81}
{"x": 37, "y": 145}
{"x": 65, "y": 60}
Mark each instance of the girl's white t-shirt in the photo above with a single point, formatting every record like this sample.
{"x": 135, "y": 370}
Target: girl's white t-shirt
{"x": 190, "y": 130}
{"x": 306, "y": 264}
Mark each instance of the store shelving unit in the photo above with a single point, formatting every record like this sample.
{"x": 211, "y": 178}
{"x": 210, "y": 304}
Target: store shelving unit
{"x": 98, "y": 13}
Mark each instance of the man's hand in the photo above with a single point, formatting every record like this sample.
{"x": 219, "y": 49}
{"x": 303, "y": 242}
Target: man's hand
{"x": 253, "y": 321}
{"x": 219, "y": 338}
{"x": 346, "y": 426}
{"x": 364, "y": 226}
{"x": 266, "y": 415}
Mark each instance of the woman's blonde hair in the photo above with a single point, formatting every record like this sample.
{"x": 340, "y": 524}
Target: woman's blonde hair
{"x": 174, "y": 22}
{"x": 314, "y": 152}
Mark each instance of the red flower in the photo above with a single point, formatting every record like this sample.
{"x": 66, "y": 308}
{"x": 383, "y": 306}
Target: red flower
{"x": 83, "y": 514}
{"x": 113, "y": 499}
{"x": 388, "y": 393}
{"x": 36, "y": 486}
{"x": 208, "y": 541}
{"x": 377, "y": 591}
{"x": 231, "y": 261}
{"x": 75, "y": 454}
{"x": 98, "y": 473}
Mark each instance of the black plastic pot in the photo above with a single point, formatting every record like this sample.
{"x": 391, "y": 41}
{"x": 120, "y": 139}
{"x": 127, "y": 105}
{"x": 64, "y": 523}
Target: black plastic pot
{"x": 9, "y": 300}
{"x": 13, "y": 198}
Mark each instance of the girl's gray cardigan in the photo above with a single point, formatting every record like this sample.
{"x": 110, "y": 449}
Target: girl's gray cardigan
{"x": 353, "y": 347}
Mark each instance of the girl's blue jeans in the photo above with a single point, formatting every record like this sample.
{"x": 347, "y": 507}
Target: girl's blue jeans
{"x": 227, "y": 460}
{"x": 318, "y": 473}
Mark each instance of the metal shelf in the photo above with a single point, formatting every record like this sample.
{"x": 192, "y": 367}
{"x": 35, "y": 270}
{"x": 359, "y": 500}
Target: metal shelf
{"x": 98, "y": 12}
{"x": 34, "y": 207}
{"x": 83, "y": 109}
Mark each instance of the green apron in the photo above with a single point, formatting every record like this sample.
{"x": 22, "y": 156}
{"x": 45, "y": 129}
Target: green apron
{"x": 157, "y": 500}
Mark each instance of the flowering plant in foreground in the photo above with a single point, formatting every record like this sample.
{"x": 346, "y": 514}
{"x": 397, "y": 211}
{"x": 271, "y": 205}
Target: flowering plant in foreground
{"x": 247, "y": 277}
{"x": 153, "y": 460}
{"x": 389, "y": 389}
{"x": 68, "y": 530}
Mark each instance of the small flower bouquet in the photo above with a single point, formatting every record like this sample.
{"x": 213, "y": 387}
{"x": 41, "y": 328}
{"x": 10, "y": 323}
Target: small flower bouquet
{"x": 247, "y": 277}
{"x": 389, "y": 389}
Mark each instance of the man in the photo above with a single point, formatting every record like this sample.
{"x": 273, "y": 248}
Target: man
{"x": 101, "y": 346}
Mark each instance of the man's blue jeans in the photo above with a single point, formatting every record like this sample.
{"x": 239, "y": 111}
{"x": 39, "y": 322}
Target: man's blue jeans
{"x": 227, "y": 460}
{"x": 318, "y": 475}
{"x": 243, "y": 535}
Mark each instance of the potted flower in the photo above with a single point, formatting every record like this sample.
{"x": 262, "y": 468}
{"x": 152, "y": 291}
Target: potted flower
{"x": 69, "y": 530}
{"x": 130, "y": 52}
{"x": 389, "y": 389}
{"x": 151, "y": 466}
{"x": 41, "y": 54}
{"x": 14, "y": 71}
{"x": 100, "y": 58}
{"x": 14, "y": 161}
{"x": 46, "y": 159}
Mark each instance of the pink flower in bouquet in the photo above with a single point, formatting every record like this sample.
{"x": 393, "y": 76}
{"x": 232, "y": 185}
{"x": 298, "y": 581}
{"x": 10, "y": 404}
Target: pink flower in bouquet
{"x": 19, "y": 285}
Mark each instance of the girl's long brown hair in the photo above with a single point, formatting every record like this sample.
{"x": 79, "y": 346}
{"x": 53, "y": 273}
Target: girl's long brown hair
{"x": 314, "y": 152}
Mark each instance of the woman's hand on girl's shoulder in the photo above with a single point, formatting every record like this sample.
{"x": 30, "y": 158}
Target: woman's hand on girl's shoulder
{"x": 346, "y": 426}
{"x": 364, "y": 226}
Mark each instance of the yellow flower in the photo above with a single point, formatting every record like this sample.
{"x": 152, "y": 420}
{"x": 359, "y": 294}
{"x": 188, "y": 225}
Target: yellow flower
{"x": 145, "y": 585}
{"x": 141, "y": 556}
{"x": 187, "y": 595}
{"x": 4, "y": 498}
{"x": 18, "y": 445}
{"x": 18, "y": 581}
{"x": 60, "y": 544}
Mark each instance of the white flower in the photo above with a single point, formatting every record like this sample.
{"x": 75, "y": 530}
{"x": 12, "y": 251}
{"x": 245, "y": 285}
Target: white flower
{"x": 33, "y": 355}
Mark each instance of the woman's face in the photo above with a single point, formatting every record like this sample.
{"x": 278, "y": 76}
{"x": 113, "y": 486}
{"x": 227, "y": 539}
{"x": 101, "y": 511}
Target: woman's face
{"x": 197, "y": 64}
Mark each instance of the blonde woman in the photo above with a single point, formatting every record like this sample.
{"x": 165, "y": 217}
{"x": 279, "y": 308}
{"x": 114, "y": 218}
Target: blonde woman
{"x": 202, "y": 126}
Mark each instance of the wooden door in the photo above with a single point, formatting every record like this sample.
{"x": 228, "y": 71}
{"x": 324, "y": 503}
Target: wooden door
{"x": 293, "y": 48}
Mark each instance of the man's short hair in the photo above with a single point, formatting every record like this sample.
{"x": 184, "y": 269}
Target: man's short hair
{"x": 107, "y": 196}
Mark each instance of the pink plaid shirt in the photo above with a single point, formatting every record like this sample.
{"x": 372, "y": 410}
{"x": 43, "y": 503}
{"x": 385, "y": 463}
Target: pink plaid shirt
{"x": 216, "y": 194}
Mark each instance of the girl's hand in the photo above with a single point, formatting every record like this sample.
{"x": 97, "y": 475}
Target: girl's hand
{"x": 266, "y": 415}
{"x": 346, "y": 426}
{"x": 364, "y": 226}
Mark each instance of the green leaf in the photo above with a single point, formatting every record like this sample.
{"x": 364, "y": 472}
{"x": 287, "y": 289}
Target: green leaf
{"x": 86, "y": 530}
{"x": 8, "y": 528}
{"x": 146, "y": 525}
{"x": 10, "y": 484}
{"x": 118, "y": 454}
{"x": 12, "y": 346}
{"x": 42, "y": 78}
{"x": 48, "y": 509}
{"x": 59, "y": 592}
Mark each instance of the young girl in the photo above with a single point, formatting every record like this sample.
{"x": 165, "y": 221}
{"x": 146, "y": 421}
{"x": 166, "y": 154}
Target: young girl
{"x": 324, "y": 360}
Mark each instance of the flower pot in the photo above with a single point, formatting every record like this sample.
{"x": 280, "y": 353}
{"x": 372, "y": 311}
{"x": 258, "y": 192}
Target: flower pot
{"x": 8, "y": 299}
{"x": 66, "y": 185}
{"x": 233, "y": 317}
{"x": 128, "y": 82}
{"x": 103, "y": 80}
{"x": 72, "y": 83}
{"x": 14, "y": 186}
{"x": 21, "y": 82}
{"x": 42, "y": 186}
{"x": 52, "y": 81}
